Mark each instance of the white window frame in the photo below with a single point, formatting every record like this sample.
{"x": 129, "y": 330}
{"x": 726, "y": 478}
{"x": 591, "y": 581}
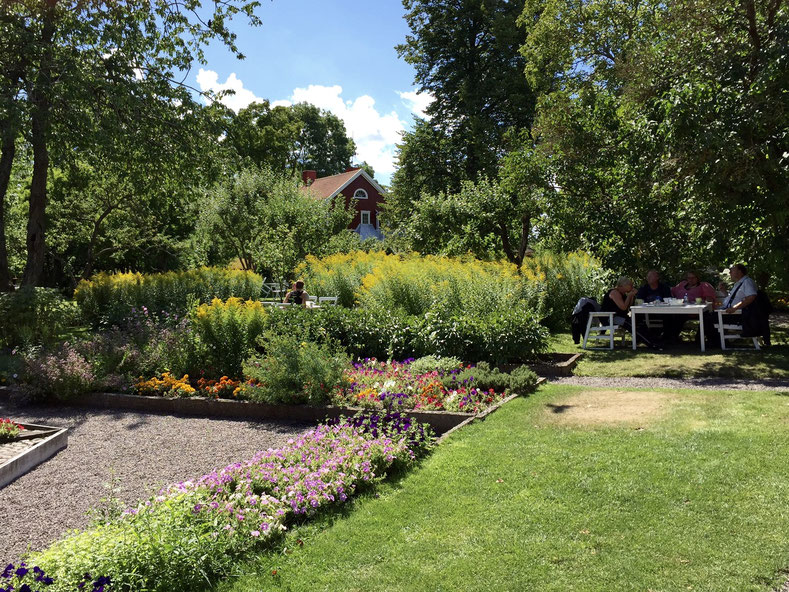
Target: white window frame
{"x": 361, "y": 217}
{"x": 360, "y": 194}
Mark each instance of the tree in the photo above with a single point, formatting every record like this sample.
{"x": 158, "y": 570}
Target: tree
{"x": 294, "y": 138}
{"x": 663, "y": 124}
{"x": 466, "y": 56}
{"x": 118, "y": 59}
{"x": 264, "y": 220}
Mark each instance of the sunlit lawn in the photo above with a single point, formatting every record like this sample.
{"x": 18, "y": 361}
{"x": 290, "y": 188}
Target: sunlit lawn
{"x": 684, "y": 360}
{"x": 691, "y": 497}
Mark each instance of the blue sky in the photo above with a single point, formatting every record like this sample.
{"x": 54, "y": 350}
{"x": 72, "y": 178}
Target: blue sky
{"x": 337, "y": 55}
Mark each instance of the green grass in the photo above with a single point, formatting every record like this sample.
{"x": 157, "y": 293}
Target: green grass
{"x": 693, "y": 500}
{"x": 684, "y": 360}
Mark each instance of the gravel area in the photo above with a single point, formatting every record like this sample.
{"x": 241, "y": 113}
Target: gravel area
{"x": 143, "y": 451}
{"x": 675, "y": 383}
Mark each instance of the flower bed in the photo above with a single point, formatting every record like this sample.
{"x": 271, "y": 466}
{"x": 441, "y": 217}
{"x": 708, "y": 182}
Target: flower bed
{"x": 196, "y": 530}
{"x": 9, "y": 429}
{"x": 446, "y": 385}
{"x": 393, "y": 385}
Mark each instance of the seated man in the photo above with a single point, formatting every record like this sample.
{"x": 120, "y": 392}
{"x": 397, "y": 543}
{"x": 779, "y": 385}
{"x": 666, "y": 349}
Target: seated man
{"x": 654, "y": 289}
{"x": 742, "y": 295}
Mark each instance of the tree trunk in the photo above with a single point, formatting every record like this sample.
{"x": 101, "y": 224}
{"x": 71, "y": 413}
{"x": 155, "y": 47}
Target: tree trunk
{"x": 40, "y": 123}
{"x": 8, "y": 149}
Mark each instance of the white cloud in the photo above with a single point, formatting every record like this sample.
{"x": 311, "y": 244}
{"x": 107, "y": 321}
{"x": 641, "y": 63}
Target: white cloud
{"x": 375, "y": 133}
{"x": 209, "y": 80}
{"x": 417, "y": 102}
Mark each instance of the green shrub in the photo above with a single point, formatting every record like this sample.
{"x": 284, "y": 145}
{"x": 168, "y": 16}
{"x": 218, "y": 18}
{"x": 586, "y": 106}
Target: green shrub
{"x": 35, "y": 316}
{"x": 523, "y": 380}
{"x": 432, "y": 363}
{"x": 63, "y": 373}
{"x": 166, "y": 547}
{"x": 520, "y": 381}
{"x": 295, "y": 371}
{"x": 228, "y": 331}
{"x": 111, "y": 298}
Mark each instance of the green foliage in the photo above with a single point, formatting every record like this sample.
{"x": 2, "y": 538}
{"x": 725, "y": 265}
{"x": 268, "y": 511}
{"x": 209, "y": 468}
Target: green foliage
{"x": 432, "y": 363}
{"x": 466, "y": 56}
{"x": 641, "y": 147}
{"x": 62, "y": 373}
{"x": 547, "y": 284}
{"x": 519, "y": 381}
{"x": 265, "y": 220}
{"x": 111, "y": 298}
{"x": 35, "y": 316}
{"x": 294, "y": 371}
{"x": 161, "y": 548}
{"x": 295, "y": 137}
{"x": 228, "y": 331}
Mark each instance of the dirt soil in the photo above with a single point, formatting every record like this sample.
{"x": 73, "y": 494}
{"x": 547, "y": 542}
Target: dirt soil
{"x": 609, "y": 407}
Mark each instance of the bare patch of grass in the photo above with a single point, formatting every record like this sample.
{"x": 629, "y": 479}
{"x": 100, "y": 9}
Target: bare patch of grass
{"x": 609, "y": 407}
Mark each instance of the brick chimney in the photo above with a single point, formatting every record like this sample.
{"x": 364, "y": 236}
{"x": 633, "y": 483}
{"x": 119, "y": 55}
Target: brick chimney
{"x": 309, "y": 177}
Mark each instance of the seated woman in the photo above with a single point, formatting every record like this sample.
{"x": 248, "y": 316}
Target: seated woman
{"x": 297, "y": 295}
{"x": 618, "y": 301}
{"x": 693, "y": 289}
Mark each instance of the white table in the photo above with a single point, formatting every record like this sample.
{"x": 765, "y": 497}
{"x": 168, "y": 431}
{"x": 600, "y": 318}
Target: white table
{"x": 685, "y": 309}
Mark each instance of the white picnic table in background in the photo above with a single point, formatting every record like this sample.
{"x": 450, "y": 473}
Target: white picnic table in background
{"x": 683, "y": 309}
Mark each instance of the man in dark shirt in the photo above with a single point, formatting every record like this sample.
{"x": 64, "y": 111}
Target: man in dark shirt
{"x": 654, "y": 289}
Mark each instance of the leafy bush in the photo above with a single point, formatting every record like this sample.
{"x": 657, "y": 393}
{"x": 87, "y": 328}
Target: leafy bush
{"x": 35, "y": 316}
{"x": 432, "y": 363}
{"x": 547, "y": 284}
{"x": 508, "y": 335}
{"x": 228, "y": 330}
{"x": 522, "y": 380}
{"x": 111, "y": 298}
{"x": 62, "y": 373}
{"x": 294, "y": 372}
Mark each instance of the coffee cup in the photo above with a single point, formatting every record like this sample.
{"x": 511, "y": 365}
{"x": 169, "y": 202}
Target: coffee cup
{"x": 698, "y": 301}
{"x": 639, "y": 301}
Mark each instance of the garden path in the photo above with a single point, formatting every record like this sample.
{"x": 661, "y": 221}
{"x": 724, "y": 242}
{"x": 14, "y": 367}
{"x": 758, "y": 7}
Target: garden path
{"x": 141, "y": 452}
{"x": 674, "y": 383}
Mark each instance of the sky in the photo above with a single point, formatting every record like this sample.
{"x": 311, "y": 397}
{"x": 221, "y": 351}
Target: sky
{"x": 335, "y": 54}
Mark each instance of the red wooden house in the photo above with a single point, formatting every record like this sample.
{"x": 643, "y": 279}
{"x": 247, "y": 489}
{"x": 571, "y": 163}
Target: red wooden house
{"x": 353, "y": 183}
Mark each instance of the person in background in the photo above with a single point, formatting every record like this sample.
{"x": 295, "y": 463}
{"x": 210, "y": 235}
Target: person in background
{"x": 742, "y": 294}
{"x": 297, "y": 295}
{"x": 693, "y": 289}
{"x": 654, "y": 289}
{"x": 618, "y": 301}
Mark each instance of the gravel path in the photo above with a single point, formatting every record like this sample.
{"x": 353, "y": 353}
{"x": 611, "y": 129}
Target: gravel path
{"x": 144, "y": 452}
{"x": 675, "y": 383}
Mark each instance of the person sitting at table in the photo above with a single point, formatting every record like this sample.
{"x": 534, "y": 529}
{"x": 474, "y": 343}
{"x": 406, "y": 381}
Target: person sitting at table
{"x": 618, "y": 301}
{"x": 741, "y": 296}
{"x": 654, "y": 289}
{"x": 693, "y": 289}
{"x": 297, "y": 295}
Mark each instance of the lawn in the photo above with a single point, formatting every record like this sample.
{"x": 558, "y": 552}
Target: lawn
{"x": 570, "y": 489}
{"x": 684, "y": 360}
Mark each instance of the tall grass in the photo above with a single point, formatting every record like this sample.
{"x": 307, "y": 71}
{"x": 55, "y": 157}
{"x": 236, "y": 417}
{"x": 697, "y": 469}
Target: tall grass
{"x": 111, "y": 297}
{"x": 548, "y": 284}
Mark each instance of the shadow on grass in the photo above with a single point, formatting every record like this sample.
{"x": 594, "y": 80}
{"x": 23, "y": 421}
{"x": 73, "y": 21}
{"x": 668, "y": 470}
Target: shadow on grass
{"x": 559, "y": 408}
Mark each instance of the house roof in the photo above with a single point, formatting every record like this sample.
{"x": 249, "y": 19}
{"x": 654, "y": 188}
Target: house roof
{"x": 327, "y": 187}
